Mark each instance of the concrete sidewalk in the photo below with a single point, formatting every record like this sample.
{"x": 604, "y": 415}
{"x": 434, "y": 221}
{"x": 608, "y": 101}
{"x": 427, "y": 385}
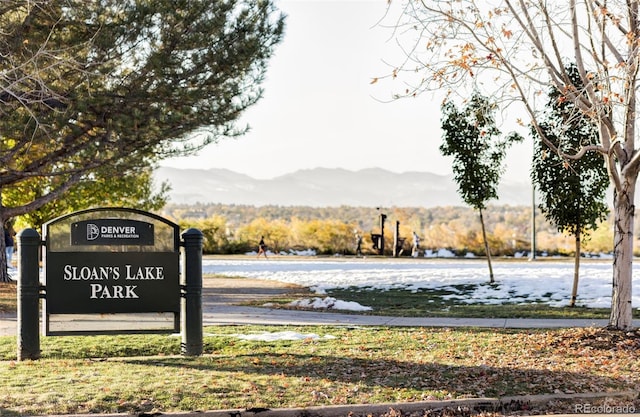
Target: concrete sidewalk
{"x": 229, "y": 315}
{"x": 221, "y": 314}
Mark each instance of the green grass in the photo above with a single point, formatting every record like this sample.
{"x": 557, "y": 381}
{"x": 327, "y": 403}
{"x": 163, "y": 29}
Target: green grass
{"x": 145, "y": 373}
{"x": 436, "y": 303}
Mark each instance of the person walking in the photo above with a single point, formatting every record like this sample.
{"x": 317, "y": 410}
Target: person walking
{"x": 358, "y": 244}
{"x": 415, "y": 251}
{"x": 262, "y": 248}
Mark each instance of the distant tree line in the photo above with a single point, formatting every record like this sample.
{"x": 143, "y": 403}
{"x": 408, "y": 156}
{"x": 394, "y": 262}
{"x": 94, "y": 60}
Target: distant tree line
{"x": 232, "y": 229}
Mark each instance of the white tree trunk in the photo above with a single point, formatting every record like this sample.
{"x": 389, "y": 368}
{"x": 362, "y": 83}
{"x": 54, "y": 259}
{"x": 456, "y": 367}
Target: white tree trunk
{"x": 621, "y": 309}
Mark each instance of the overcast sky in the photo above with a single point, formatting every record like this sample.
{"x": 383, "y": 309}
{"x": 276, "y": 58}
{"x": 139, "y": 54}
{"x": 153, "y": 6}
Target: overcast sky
{"x": 320, "y": 109}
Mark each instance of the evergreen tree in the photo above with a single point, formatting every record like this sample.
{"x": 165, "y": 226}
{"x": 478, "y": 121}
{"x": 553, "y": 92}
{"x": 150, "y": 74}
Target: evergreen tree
{"x": 118, "y": 85}
{"x": 572, "y": 191}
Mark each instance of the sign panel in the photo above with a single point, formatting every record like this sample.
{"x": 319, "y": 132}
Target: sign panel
{"x": 113, "y": 283}
{"x": 109, "y": 263}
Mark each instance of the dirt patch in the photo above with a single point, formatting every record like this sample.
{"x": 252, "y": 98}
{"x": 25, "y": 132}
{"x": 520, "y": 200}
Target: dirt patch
{"x": 220, "y": 290}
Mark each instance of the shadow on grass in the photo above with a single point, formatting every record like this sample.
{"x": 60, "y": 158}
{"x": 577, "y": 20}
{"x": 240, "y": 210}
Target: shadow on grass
{"x": 457, "y": 380}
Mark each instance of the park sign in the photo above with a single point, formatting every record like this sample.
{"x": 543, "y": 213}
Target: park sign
{"x": 111, "y": 270}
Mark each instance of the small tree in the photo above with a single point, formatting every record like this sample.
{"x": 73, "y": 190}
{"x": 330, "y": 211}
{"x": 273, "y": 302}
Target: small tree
{"x": 472, "y": 138}
{"x": 571, "y": 191}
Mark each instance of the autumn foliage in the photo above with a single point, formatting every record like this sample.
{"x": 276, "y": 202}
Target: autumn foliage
{"x": 331, "y": 230}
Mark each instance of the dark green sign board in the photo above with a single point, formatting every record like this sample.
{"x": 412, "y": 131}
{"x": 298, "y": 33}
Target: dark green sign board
{"x": 111, "y": 261}
{"x": 112, "y": 283}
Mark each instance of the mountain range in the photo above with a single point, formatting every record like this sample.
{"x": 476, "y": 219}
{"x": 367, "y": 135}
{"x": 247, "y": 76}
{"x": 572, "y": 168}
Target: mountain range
{"x": 324, "y": 187}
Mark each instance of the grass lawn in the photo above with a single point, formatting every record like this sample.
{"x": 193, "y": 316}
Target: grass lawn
{"x": 342, "y": 365}
{"x": 136, "y": 373}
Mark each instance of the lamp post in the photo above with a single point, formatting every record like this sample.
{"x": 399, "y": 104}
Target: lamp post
{"x": 533, "y": 223}
{"x": 383, "y": 217}
{"x": 532, "y": 257}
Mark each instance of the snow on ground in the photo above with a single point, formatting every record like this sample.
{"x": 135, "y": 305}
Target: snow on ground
{"x": 285, "y": 335}
{"x": 329, "y": 303}
{"x": 270, "y": 336}
{"x": 545, "y": 281}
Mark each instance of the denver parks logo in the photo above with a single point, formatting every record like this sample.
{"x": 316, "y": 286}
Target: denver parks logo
{"x": 112, "y": 232}
{"x": 93, "y": 231}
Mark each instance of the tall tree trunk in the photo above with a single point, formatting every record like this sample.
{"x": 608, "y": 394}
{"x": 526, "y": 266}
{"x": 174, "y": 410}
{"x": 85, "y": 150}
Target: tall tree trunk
{"x": 4, "y": 273}
{"x": 486, "y": 247}
{"x": 576, "y": 270}
{"x": 621, "y": 310}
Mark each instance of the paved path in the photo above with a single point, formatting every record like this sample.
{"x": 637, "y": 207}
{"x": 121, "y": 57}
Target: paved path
{"x": 236, "y": 315}
{"x": 221, "y": 296}
{"x": 227, "y": 315}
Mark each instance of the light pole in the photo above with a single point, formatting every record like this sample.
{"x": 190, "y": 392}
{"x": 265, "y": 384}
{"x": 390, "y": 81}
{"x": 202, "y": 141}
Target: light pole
{"x": 533, "y": 225}
{"x": 383, "y": 217}
{"x": 532, "y": 257}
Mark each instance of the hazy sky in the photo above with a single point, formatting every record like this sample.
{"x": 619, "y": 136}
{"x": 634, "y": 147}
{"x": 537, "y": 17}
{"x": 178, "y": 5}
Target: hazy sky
{"x": 320, "y": 109}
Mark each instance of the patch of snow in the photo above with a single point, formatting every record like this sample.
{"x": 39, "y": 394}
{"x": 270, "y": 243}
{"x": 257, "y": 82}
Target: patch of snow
{"x": 329, "y": 303}
{"x": 290, "y": 252}
{"x": 284, "y": 335}
{"x": 440, "y": 253}
{"x": 517, "y": 280}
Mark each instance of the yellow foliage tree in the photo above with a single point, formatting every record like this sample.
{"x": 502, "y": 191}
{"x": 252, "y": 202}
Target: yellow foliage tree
{"x": 276, "y": 233}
